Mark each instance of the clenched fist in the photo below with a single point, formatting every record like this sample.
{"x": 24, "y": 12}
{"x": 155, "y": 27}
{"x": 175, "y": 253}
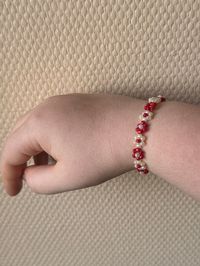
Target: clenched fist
{"x": 78, "y": 132}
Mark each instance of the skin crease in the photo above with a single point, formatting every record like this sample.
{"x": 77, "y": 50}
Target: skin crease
{"x": 90, "y": 136}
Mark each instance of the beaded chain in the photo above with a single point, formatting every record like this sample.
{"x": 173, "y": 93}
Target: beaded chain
{"x": 142, "y": 127}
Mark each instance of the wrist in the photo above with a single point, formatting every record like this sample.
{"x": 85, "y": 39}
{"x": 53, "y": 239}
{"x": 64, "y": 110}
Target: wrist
{"x": 171, "y": 149}
{"x": 125, "y": 118}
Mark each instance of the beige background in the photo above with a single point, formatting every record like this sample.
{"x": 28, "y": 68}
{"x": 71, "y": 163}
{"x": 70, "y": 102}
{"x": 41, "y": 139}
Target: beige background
{"x": 136, "y": 48}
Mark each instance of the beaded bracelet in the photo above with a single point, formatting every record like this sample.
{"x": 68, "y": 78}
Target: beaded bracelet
{"x": 141, "y": 128}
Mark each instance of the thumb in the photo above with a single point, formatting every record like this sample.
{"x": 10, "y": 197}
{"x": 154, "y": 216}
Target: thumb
{"x": 43, "y": 179}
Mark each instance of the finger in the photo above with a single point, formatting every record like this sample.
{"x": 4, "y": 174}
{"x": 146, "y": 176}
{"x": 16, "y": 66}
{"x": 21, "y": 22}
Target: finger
{"x": 41, "y": 158}
{"x": 44, "y": 179}
{"x": 18, "y": 149}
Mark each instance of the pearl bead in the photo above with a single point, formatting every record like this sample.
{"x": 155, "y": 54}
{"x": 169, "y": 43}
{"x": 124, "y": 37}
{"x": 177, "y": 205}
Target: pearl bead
{"x": 140, "y": 137}
{"x": 139, "y": 144}
{"x": 141, "y": 162}
{"x": 154, "y": 100}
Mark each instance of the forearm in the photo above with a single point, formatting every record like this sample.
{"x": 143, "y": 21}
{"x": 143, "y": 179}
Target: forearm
{"x": 172, "y": 149}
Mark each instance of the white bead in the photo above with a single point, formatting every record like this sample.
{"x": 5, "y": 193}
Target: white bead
{"x": 155, "y": 99}
{"x": 149, "y": 113}
{"x": 147, "y": 118}
{"x": 139, "y": 136}
{"x": 141, "y": 162}
{"x": 143, "y": 118}
{"x": 142, "y": 173}
{"x": 138, "y": 145}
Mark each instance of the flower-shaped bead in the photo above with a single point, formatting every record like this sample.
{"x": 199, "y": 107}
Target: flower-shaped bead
{"x": 150, "y": 106}
{"x": 139, "y": 164}
{"x": 157, "y": 99}
{"x": 146, "y": 116}
{"x": 143, "y": 171}
{"x": 154, "y": 100}
{"x": 138, "y": 153}
{"x": 141, "y": 127}
{"x": 139, "y": 140}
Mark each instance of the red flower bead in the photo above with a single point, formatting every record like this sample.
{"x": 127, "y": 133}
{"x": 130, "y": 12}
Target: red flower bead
{"x": 145, "y": 171}
{"x": 141, "y": 127}
{"x": 138, "y": 153}
{"x": 138, "y": 169}
{"x": 150, "y": 106}
{"x": 145, "y": 115}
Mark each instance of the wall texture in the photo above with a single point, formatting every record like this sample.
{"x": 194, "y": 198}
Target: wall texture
{"x": 129, "y": 47}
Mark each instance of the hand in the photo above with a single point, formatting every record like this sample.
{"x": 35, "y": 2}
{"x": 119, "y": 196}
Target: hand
{"x": 77, "y": 130}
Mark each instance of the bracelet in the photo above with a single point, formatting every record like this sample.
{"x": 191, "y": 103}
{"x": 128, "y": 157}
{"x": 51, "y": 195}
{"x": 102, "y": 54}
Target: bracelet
{"x": 142, "y": 127}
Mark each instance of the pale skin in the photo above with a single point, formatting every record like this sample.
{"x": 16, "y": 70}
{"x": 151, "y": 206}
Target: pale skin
{"x": 90, "y": 136}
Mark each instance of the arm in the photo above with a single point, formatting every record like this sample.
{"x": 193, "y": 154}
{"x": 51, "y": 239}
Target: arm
{"x": 172, "y": 149}
{"x": 91, "y": 137}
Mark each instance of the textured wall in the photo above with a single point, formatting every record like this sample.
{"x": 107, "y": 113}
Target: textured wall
{"x": 136, "y": 48}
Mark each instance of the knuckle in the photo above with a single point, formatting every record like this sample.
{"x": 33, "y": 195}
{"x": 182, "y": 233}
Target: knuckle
{"x": 36, "y": 118}
{"x": 17, "y": 124}
{"x": 34, "y": 122}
